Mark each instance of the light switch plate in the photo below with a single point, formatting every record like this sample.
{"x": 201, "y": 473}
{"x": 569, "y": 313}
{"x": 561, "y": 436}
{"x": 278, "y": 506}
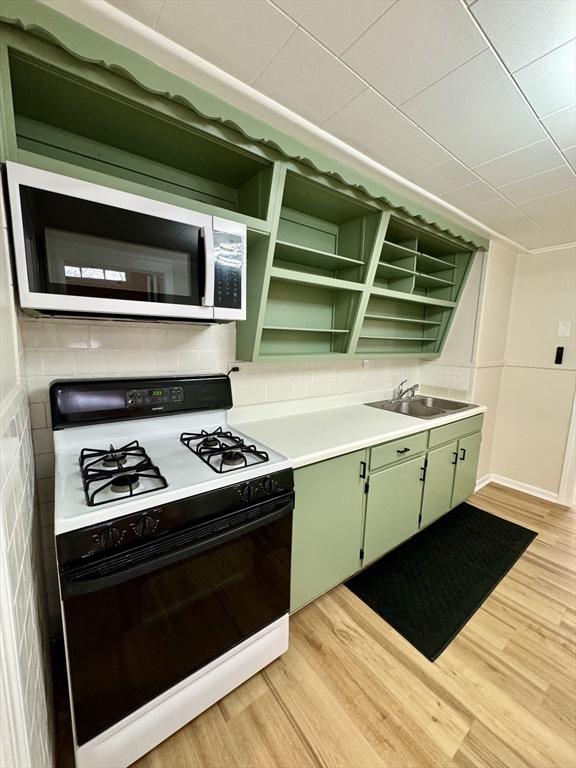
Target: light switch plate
{"x": 563, "y": 329}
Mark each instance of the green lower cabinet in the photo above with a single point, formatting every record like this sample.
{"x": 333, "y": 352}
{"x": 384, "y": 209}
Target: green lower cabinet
{"x": 437, "y": 497}
{"x": 393, "y": 507}
{"x": 466, "y": 468}
{"x": 327, "y": 529}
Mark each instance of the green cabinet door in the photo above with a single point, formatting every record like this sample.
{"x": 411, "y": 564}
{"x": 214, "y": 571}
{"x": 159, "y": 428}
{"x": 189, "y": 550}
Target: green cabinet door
{"x": 327, "y": 529}
{"x": 437, "y": 497}
{"x": 466, "y": 468}
{"x": 393, "y": 507}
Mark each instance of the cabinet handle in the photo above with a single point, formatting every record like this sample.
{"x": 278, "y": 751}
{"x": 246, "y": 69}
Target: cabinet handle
{"x": 363, "y": 470}
{"x": 462, "y": 454}
{"x": 402, "y": 450}
{"x": 455, "y": 454}
{"x": 423, "y": 473}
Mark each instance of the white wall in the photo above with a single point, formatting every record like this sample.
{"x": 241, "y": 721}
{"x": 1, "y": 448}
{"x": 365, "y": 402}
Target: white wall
{"x": 25, "y": 711}
{"x": 537, "y": 396}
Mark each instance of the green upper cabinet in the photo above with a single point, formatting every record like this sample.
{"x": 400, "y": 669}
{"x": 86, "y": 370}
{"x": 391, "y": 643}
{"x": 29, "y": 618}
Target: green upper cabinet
{"x": 332, "y": 270}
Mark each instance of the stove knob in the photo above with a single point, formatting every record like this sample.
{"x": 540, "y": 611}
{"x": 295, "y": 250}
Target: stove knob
{"x": 144, "y": 526}
{"x": 246, "y": 491}
{"x": 268, "y": 485}
{"x": 109, "y": 537}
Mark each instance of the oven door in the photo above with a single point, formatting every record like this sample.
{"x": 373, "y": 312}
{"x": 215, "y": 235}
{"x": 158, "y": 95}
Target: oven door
{"x": 83, "y": 248}
{"x": 138, "y": 625}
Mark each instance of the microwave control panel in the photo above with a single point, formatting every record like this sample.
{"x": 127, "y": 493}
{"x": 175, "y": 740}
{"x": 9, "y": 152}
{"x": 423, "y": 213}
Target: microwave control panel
{"x": 229, "y": 248}
{"x": 136, "y": 398}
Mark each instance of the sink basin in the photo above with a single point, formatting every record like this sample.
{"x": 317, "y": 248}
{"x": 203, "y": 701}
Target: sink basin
{"x": 422, "y": 407}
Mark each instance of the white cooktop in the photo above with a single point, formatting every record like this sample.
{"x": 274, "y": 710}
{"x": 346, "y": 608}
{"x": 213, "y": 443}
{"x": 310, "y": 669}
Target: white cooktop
{"x": 186, "y": 474}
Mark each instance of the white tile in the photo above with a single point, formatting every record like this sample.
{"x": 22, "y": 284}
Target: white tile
{"x": 240, "y": 37}
{"x": 43, "y": 441}
{"x": 145, "y": 11}
{"x": 445, "y": 177}
{"x": 129, "y": 337}
{"x": 570, "y": 155}
{"x": 562, "y": 127}
{"x": 522, "y": 30}
{"x": 188, "y": 361}
{"x": 143, "y": 362}
{"x": 103, "y": 336}
{"x": 58, "y": 362}
{"x": 73, "y": 336}
{"x": 38, "y": 416}
{"x": 549, "y": 83}
{"x": 336, "y": 23}
{"x": 413, "y": 45}
{"x": 546, "y": 183}
{"x": 536, "y": 158}
{"x": 39, "y": 334}
{"x": 117, "y": 362}
{"x": 472, "y": 194}
{"x": 90, "y": 362}
{"x": 44, "y": 467}
{"x": 33, "y": 362}
{"x": 166, "y": 360}
{"x": 464, "y": 112}
{"x": 306, "y": 78}
{"x": 410, "y": 153}
{"x": 367, "y": 122}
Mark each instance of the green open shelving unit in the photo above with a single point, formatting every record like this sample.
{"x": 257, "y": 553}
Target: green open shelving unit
{"x": 332, "y": 271}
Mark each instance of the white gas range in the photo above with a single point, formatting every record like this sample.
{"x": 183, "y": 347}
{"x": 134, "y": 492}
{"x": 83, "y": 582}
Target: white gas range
{"x": 173, "y": 539}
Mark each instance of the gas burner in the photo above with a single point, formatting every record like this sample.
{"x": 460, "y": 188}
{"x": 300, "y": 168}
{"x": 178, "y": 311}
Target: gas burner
{"x": 210, "y": 442}
{"x": 117, "y": 473}
{"x": 234, "y": 458}
{"x": 115, "y": 459}
{"x": 125, "y": 483}
{"x": 222, "y": 450}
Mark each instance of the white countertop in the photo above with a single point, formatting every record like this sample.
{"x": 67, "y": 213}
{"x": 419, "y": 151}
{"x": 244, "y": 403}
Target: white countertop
{"x": 306, "y": 436}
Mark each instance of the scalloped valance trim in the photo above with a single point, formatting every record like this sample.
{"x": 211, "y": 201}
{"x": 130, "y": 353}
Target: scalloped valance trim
{"x": 90, "y": 47}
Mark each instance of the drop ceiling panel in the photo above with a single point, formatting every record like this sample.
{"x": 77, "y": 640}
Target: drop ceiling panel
{"x": 367, "y": 122}
{"x": 498, "y": 213}
{"x": 336, "y": 23}
{"x": 445, "y": 177}
{"x": 464, "y": 112}
{"x": 537, "y": 186}
{"x": 240, "y": 37}
{"x": 538, "y": 157}
{"x": 549, "y": 83}
{"x": 306, "y": 78}
{"x": 562, "y": 127}
{"x": 410, "y": 152}
{"x": 570, "y": 155}
{"x": 472, "y": 194}
{"x": 145, "y": 11}
{"x": 412, "y": 45}
{"x": 525, "y": 30}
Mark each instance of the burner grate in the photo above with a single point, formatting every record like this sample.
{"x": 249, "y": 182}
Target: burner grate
{"x": 125, "y": 472}
{"x": 229, "y": 454}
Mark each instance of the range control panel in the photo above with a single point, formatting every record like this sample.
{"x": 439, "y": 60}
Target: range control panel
{"x": 136, "y": 398}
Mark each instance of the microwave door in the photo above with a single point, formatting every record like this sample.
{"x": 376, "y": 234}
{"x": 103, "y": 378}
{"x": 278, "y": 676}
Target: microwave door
{"x": 85, "y": 249}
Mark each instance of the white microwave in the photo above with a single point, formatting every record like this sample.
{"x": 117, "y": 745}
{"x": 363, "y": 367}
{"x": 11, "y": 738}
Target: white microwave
{"x": 82, "y": 248}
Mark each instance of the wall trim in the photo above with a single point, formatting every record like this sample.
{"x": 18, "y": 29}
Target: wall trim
{"x": 552, "y": 248}
{"x": 516, "y": 485}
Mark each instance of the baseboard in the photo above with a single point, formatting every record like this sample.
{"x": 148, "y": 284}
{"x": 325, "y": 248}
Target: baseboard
{"x": 516, "y": 485}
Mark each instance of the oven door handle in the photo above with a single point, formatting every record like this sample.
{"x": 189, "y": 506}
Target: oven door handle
{"x": 80, "y": 581}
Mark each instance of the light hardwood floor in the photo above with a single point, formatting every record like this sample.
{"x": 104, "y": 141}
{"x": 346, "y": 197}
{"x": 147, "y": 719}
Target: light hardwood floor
{"x": 351, "y": 692}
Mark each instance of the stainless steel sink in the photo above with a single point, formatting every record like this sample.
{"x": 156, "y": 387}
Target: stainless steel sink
{"x": 422, "y": 407}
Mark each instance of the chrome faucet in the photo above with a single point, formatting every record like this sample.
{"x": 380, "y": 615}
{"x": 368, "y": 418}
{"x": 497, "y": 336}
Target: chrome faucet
{"x": 400, "y": 392}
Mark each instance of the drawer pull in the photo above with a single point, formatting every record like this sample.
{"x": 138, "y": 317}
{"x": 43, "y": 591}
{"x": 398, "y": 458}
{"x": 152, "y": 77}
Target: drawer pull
{"x": 402, "y": 450}
{"x": 455, "y": 454}
{"x": 462, "y": 454}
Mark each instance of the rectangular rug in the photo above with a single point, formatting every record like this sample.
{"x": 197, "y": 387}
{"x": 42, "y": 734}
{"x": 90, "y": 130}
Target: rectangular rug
{"x": 430, "y": 586}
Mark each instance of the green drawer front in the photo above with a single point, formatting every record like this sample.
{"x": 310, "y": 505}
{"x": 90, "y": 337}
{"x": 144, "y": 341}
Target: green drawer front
{"x": 453, "y": 431}
{"x": 404, "y": 448}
